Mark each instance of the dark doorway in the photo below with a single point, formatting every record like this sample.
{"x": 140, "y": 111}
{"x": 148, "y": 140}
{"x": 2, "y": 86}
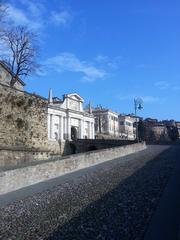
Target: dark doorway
{"x": 72, "y": 148}
{"x": 73, "y": 133}
{"x": 92, "y": 148}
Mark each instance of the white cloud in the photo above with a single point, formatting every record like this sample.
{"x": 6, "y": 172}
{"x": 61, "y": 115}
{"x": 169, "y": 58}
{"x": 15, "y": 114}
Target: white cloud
{"x": 146, "y": 98}
{"x": 162, "y": 85}
{"x": 35, "y": 8}
{"x": 112, "y": 63}
{"x": 16, "y": 15}
{"x": 165, "y": 85}
{"x": 4, "y": 51}
{"x": 144, "y": 66}
{"x": 21, "y": 17}
{"x": 36, "y": 16}
{"x": 61, "y": 18}
{"x": 102, "y": 58}
{"x": 176, "y": 88}
{"x": 69, "y": 62}
{"x": 152, "y": 99}
{"x": 126, "y": 97}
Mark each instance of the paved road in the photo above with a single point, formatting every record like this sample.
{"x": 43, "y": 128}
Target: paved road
{"x": 114, "y": 200}
{"x": 165, "y": 223}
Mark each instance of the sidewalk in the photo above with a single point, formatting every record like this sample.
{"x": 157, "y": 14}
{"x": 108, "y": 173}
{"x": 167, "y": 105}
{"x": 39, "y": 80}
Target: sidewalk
{"x": 165, "y": 223}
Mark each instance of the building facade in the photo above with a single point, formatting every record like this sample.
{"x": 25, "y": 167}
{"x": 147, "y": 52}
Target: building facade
{"x": 155, "y": 131}
{"x": 178, "y": 127}
{"x": 106, "y": 122}
{"x": 127, "y": 130}
{"x": 110, "y": 124}
{"x": 67, "y": 120}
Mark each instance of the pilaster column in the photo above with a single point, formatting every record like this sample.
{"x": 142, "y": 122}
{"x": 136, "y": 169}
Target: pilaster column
{"x": 50, "y": 125}
{"x": 108, "y": 124}
{"x": 90, "y": 135}
{"x": 92, "y": 124}
{"x": 81, "y": 129}
{"x": 69, "y": 128}
{"x": 61, "y": 128}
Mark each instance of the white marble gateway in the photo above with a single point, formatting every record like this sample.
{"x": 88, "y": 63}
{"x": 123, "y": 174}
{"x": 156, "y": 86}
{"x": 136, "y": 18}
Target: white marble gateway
{"x": 67, "y": 120}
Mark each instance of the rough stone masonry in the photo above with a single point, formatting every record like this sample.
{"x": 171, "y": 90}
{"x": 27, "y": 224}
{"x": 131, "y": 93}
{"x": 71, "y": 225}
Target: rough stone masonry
{"x": 23, "y": 126}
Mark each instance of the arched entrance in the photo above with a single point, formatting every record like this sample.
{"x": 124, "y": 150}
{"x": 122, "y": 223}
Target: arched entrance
{"x": 74, "y": 133}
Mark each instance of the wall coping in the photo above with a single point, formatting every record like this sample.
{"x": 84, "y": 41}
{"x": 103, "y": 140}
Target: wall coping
{"x": 14, "y": 179}
{"x": 57, "y": 158}
{"x": 25, "y": 92}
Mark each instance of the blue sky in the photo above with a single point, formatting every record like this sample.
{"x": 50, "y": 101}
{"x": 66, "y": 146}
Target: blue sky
{"x": 107, "y": 51}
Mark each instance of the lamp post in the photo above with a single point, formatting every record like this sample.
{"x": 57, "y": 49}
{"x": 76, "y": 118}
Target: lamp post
{"x": 138, "y": 105}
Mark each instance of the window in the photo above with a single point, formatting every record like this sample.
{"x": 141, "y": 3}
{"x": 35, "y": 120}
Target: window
{"x": 129, "y": 124}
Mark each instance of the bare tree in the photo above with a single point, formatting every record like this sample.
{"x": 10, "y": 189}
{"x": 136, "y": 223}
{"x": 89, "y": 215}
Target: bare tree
{"x": 22, "y": 52}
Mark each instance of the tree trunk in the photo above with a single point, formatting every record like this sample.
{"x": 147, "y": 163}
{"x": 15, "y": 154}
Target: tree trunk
{"x": 13, "y": 81}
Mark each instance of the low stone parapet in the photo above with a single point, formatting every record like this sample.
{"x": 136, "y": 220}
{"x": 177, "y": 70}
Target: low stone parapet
{"x": 15, "y": 156}
{"x": 12, "y": 180}
{"x": 85, "y": 145}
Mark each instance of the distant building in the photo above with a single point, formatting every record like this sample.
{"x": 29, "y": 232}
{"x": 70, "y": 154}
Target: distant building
{"x": 127, "y": 130}
{"x": 160, "y": 132}
{"x": 106, "y": 122}
{"x": 169, "y": 123}
{"x": 155, "y": 131}
{"x": 134, "y": 118}
{"x": 6, "y": 75}
{"x": 67, "y": 120}
{"x": 151, "y": 121}
{"x": 178, "y": 127}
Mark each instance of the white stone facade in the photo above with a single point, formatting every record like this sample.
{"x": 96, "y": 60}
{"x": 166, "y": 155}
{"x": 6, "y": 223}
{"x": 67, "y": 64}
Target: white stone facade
{"x": 111, "y": 124}
{"x": 106, "y": 122}
{"x": 67, "y": 120}
{"x": 126, "y": 127}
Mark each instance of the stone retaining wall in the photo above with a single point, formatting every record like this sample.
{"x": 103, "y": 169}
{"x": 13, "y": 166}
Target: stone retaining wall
{"x": 18, "y": 178}
{"x": 10, "y": 157}
{"x": 23, "y": 127}
{"x": 23, "y": 118}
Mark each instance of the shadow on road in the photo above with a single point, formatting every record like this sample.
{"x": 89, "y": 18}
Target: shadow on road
{"x": 124, "y": 212}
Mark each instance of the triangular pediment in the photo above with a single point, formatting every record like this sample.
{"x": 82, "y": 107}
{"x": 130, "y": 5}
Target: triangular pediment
{"x": 75, "y": 96}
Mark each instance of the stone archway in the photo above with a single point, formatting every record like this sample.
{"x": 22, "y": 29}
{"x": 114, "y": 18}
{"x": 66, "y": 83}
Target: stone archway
{"x": 74, "y": 133}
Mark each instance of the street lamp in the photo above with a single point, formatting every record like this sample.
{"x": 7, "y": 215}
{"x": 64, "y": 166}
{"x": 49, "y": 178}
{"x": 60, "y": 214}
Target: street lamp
{"x": 138, "y": 105}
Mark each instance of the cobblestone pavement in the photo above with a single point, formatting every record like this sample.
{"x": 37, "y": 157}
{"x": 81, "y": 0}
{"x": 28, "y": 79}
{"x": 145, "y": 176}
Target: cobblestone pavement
{"x": 114, "y": 200}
